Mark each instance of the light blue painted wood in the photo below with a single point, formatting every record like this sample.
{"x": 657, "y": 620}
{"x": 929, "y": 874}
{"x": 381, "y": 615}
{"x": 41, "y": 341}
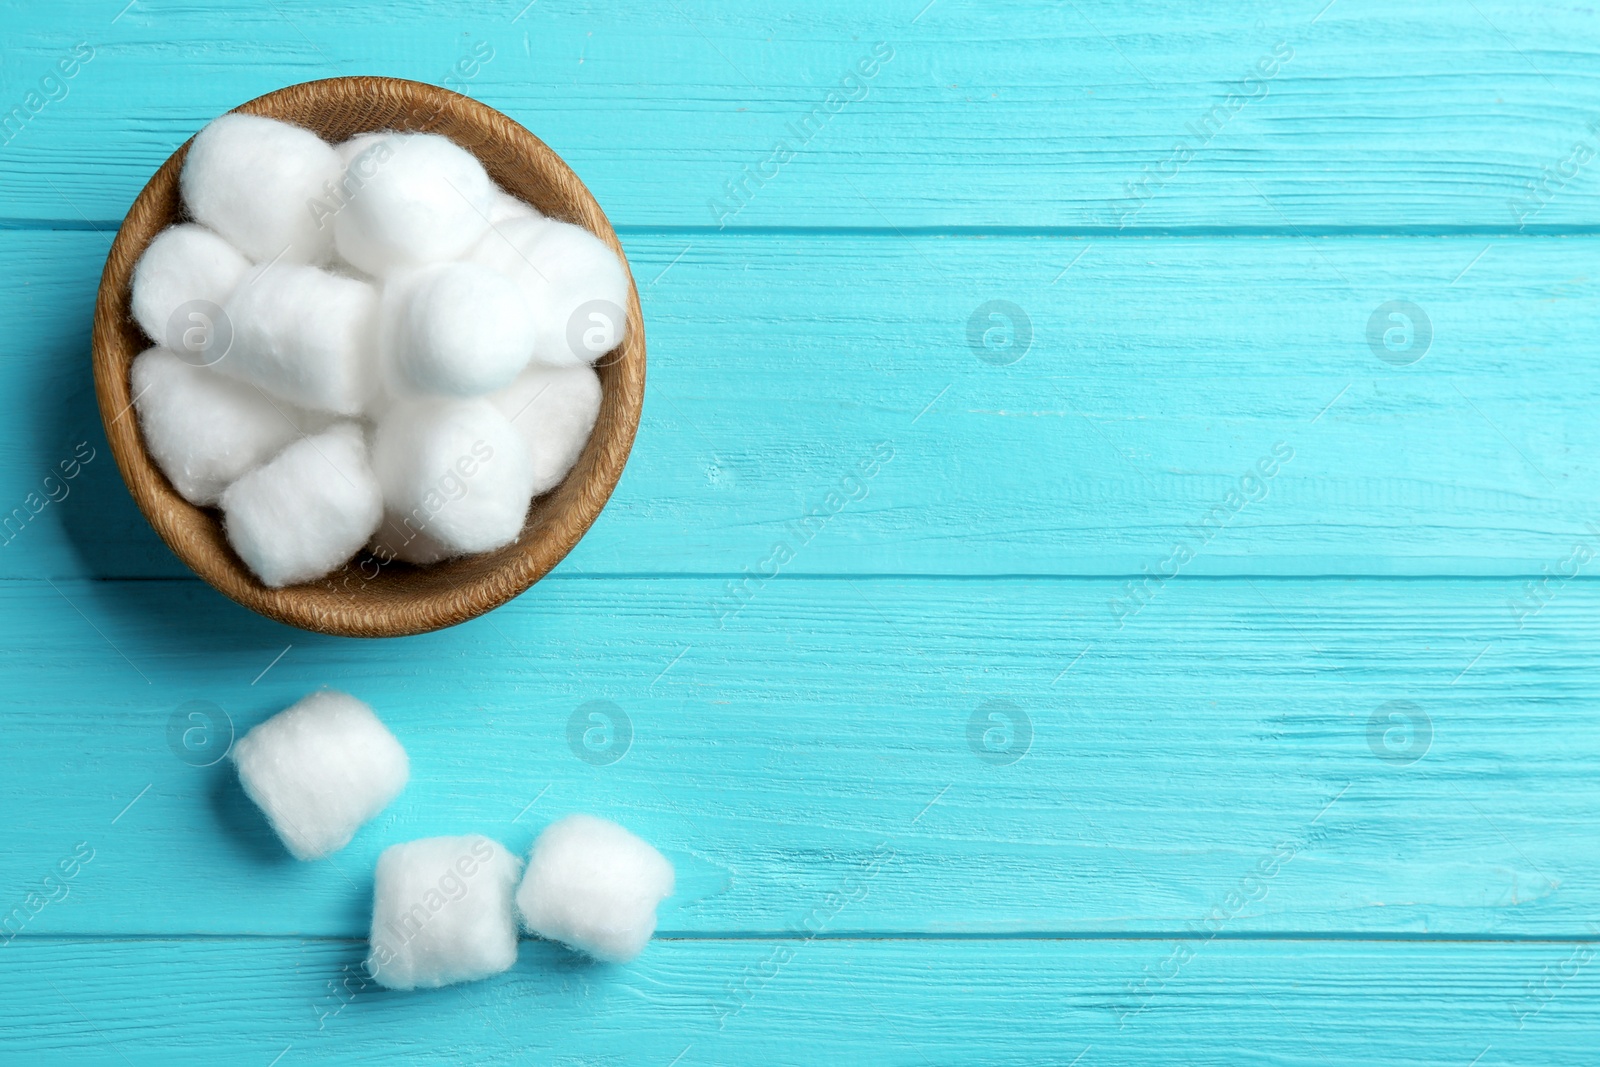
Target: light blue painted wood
{"x": 770, "y": 755}
{"x": 778, "y": 365}
{"x": 1286, "y": 1004}
{"x": 1369, "y": 602}
{"x": 1427, "y": 114}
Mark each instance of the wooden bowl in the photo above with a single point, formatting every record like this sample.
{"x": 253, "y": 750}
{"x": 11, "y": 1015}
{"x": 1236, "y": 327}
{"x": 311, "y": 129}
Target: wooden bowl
{"x": 371, "y": 598}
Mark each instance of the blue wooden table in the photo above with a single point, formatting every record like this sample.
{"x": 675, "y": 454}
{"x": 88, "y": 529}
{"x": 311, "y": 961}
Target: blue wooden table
{"x": 1106, "y": 575}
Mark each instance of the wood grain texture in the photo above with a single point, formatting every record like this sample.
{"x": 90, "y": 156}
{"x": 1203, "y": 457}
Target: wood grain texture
{"x": 1427, "y": 114}
{"x": 785, "y": 362}
{"x": 1138, "y": 777}
{"x": 1328, "y": 795}
{"x": 1286, "y": 1004}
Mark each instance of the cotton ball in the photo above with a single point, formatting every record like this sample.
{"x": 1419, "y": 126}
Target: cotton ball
{"x": 404, "y": 538}
{"x": 349, "y": 184}
{"x": 306, "y": 511}
{"x": 183, "y": 264}
{"x": 594, "y": 886}
{"x": 304, "y": 334}
{"x": 455, "y": 468}
{"x": 503, "y": 207}
{"x": 457, "y": 329}
{"x": 441, "y": 912}
{"x": 257, "y": 181}
{"x": 204, "y": 430}
{"x": 349, "y": 150}
{"x": 319, "y": 769}
{"x": 554, "y": 408}
{"x": 576, "y": 286}
{"x": 414, "y": 199}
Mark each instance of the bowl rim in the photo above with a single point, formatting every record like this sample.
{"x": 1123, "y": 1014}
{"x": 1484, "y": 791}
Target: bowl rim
{"x": 455, "y": 591}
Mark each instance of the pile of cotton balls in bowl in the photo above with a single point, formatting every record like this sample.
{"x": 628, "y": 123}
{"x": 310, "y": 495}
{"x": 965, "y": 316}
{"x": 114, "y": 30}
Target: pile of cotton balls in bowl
{"x": 367, "y": 345}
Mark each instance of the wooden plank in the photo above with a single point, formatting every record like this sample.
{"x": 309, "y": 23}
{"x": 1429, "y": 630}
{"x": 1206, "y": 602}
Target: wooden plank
{"x": 1427, "y": 115}
{"x": 1285, "y": 757}
{"x": 1136, "y": 422}
{"x": 1292, "y": 1004}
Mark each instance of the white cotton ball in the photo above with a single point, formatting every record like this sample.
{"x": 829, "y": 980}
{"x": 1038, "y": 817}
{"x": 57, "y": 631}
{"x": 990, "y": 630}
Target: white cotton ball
{"x": 319, "y": 769}
{"x": 456, "y": 469}
{"x": 441, "y": 912}
{"x": 504, "y": 207}
{"x": 576, "y": 286}
{"x": 454, "y": 329}
{"x": 413, "y": 199}
{"x": 204, "y": 430}
{"x": 182, "y": 265}
{"x": 306, "y": 511}
{"x": 349, "y": 150}
{"x": 256, "y": 181}
{"x": 594, "y": 886}
{"x": 554, "y": 408}
{"x": 348, "y": 185}
{"x": 304, "y": 334}
{"x": 351, "y": 181}
{"x": 405, "y": 538}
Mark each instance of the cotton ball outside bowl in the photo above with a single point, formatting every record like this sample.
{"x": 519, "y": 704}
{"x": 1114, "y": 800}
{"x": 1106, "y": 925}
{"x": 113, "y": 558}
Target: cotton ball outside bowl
{"x": 594, "y": 886}
{"x": 319, "y": 769}
{"x": 442, "y": 912}
{"x": 376, "y": 596}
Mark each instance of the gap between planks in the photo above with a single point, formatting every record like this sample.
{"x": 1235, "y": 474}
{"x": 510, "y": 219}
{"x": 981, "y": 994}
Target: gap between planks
{"x": 719, "y": 936}
{"x": 1099, "y": 233}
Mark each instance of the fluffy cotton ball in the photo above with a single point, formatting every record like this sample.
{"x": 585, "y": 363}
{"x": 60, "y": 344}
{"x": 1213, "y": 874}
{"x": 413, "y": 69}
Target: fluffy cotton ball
{"x": 307, "y": 511}
{"x": 349, "y": 150}
{"x": 554, "y": 408}
{"x": 184, "y": 264}
{"x": 304, "y": 334}
{"x": 575, "y": 285}
{"x": 594, "y": 886}
{"x": 504, "y": 207}
{"x": 456, "y": 469}
{"x": 204, "y": 430}
{"x": 455, "y": 329}
{"x": 256, "y": 182}
{"x": 413, "y": 199}
{"x": 319, "y": 769}
{"x": 441, "y": 912}
{"x": 406, "y": 539}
